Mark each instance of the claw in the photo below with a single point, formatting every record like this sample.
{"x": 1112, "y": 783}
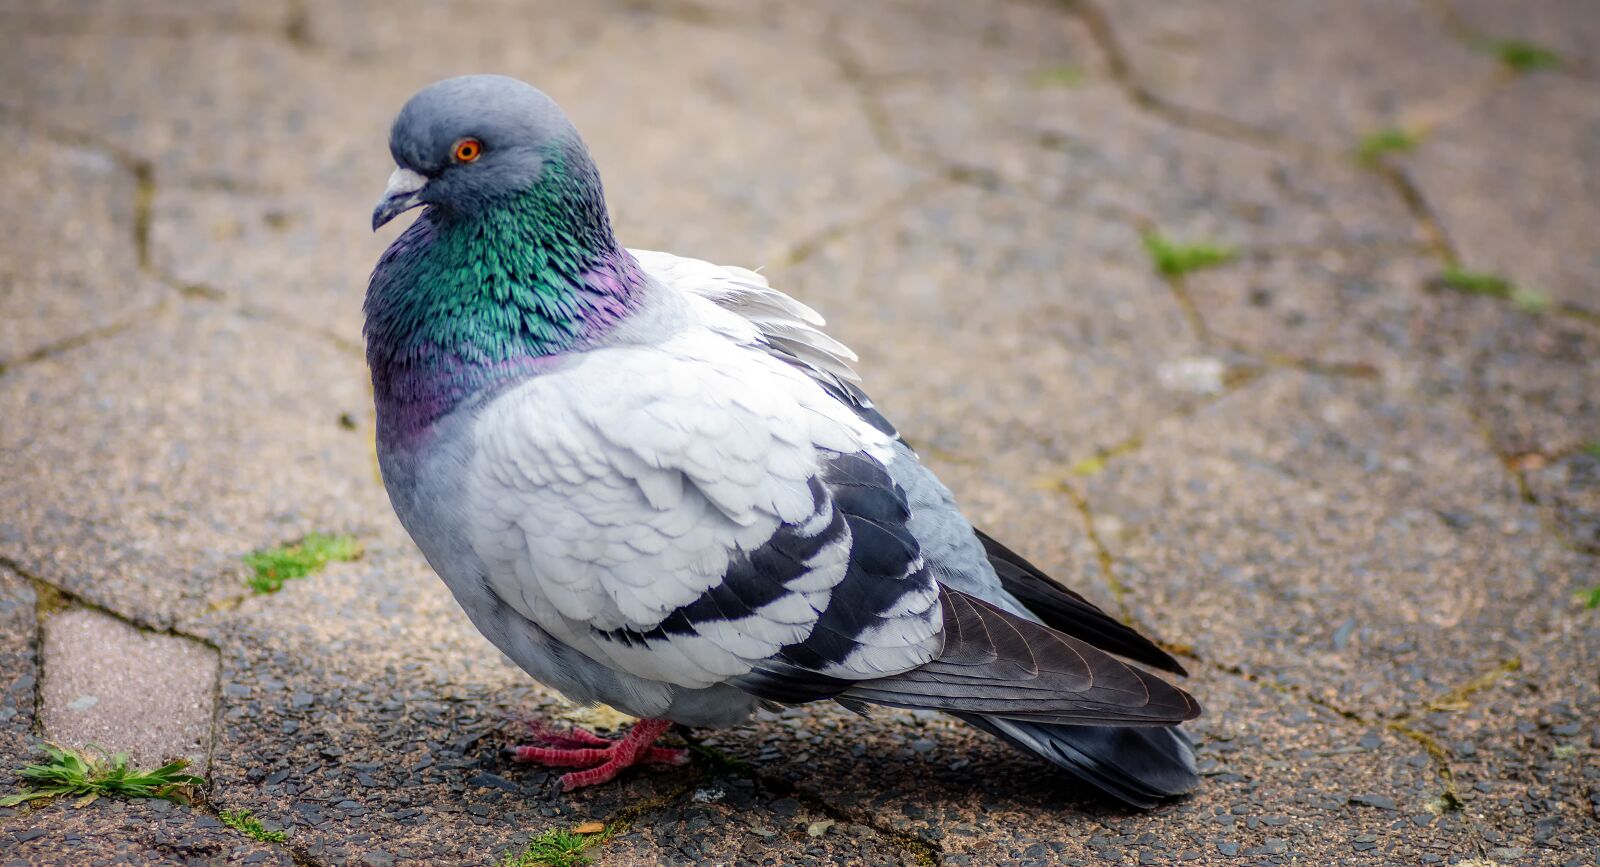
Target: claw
{"x": 603, "y": 759}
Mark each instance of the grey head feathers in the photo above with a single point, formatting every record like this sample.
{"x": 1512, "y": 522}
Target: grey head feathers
{"x": 518, "y": 127}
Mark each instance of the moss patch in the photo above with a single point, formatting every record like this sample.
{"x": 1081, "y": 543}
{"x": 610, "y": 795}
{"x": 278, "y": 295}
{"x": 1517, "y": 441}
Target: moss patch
{"x": 1058, "y": 76}
{"x": 1391, "y": 140}
{"x": 274, "y": 566}
{"x": 1521, "y": 56}
{"x": 247, "y": 824}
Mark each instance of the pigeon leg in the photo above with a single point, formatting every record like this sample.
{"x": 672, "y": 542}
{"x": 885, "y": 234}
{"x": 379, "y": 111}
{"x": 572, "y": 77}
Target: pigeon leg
{"x": 603, "y": 759}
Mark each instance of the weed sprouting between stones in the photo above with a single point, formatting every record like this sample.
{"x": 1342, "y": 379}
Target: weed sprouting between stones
{"x": 1174, "y": 259}
{"x": 558, "y": 847}
{"x": 71, "y": 773}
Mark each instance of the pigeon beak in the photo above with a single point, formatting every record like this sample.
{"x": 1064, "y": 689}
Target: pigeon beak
{"x": 403, "y": 193}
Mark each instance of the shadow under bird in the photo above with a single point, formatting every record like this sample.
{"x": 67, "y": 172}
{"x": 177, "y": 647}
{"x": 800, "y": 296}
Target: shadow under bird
{"x": 655, "y": 482}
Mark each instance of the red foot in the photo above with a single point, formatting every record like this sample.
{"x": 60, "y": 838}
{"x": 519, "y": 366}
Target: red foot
{"x": 579, "y": 748}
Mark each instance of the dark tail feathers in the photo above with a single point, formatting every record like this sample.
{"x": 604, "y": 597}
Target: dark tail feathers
{"x": 1139, "y": 766}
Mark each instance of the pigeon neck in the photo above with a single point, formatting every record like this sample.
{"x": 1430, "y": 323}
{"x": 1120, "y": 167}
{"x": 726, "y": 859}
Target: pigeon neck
{"x": 468, "y": 303}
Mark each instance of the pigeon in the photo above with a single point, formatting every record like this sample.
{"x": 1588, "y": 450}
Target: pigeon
{"x": 656, "y": 483}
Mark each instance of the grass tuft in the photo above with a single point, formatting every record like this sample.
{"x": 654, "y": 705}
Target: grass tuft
{"x": 247, "y": 824}
{"x": 1590, "y": 598}
{"x": 1522, "y": 56}
{"x": 1390, "y": 140}
{"x": 1173, "y": 259}
{"x": 558, "y": 847}
{"x": 68, "y": 772}
{"x": 1592, "y": 448}
{"x": 274, "y": 566}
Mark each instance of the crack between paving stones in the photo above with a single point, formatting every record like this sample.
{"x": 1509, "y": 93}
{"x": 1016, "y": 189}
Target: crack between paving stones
{"x": 1103, "y": 34}
{"x": 916, "y": 193}
{"x": 1108, "y": 565}
{"x": 1458, "y": 29}
{"x": 1409, "y": 193}
{"x": 856, "y": 77}
{"x": 1517, "y": 475}
{"x": 51, "y": 600}
{"x": 146, "y": 186}
{"x": 145, "y": 190}
{"x": 81, "y": 339}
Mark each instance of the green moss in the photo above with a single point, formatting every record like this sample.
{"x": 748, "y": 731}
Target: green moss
{"x": 67, "y": 772}
{"x": 1088, "y": 466}
{"x": 1590, "y": 598}
{"x": 1390, "y": 140}
{"x": 1476, "y": 282}
{"x": 1530, "y": 300}
{"x": 248, "y": 825}
{"x": 1174, "y": 259}
{"x": 274, "y": 566}
{"x": 1058, "y": 76}
{"x": 556, "y": 847}
{"x": 1493, "y": 286}
{"x": 1592, "y": 448}
{"x": 1522, "y": 56}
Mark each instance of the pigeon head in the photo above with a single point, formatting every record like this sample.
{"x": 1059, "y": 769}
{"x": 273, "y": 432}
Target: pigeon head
{"x": 465, "y": 144}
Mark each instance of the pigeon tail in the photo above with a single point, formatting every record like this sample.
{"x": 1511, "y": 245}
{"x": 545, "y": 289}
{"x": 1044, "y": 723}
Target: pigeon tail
{"x": 1139, "y": 766}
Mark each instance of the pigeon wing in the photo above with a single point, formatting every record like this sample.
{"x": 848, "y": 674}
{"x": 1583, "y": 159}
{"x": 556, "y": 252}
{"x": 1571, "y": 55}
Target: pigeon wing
{"x": 686, "y": 510}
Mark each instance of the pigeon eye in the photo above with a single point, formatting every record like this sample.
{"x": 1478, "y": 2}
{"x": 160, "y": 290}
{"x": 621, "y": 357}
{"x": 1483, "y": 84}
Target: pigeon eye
{"x": 468, "y": 149}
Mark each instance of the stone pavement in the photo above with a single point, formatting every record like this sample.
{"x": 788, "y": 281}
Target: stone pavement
{"x": 1352, "y": 472}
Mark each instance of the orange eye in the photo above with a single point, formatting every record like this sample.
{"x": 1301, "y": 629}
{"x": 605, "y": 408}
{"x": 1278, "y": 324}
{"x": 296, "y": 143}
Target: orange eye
{"x": 468, "y": 149}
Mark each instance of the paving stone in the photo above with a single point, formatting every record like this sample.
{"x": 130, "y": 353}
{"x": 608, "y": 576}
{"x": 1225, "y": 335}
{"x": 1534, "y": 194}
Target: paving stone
{"x": 775, "y": 149}
{"x": 19, "y": 677}
{"x": 1329, "y": 74}
{"x": 146, "y": 833}
{"x": 1567, "y": 27}
{"x": 950, "y": 40}
{"x": 1089, "y": 148}
{"x": 377, "y": 724}
{"x": 1526, "y": 376}
{"x": 110, "y": 685}
{"x": 735, "y": 821}
{"x": 178, "y": 16}
{"x": 140, "y": 469}
{"x": 964, "y": 305}
{"x": 1356, "y": 309}
{"x": 1525, "y": 747}
{"x": 1494, "y": 174}
{"x": 222, "y": 109}
{"x": 529, "y": 37}
{"x": 1337, "y": 536}
{"x": 70, "y": 264}
{"x": 308, "y": 254}
{"x": 1568, "y": 490}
